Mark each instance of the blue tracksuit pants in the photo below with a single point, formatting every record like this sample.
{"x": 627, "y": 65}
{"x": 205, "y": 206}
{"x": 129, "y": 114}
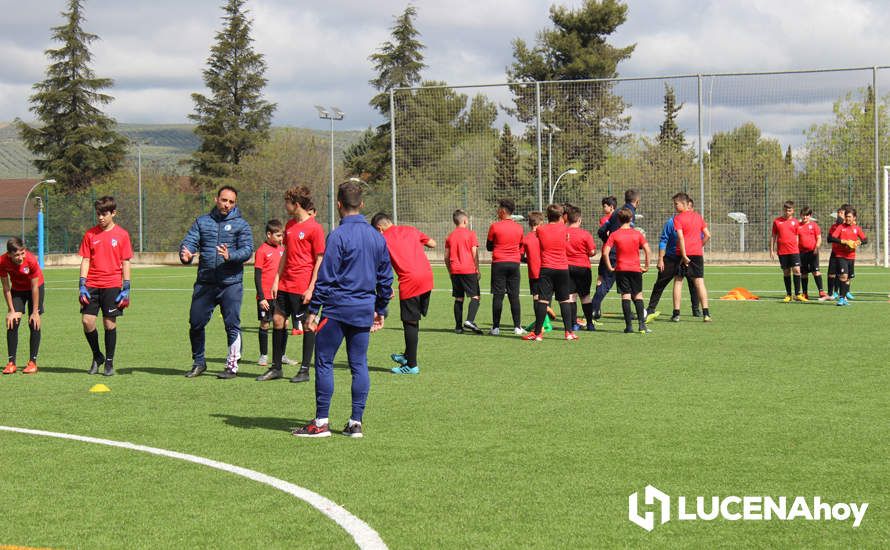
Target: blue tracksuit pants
{"x": 205, "y": 298}
{"x": 327, "y": 342}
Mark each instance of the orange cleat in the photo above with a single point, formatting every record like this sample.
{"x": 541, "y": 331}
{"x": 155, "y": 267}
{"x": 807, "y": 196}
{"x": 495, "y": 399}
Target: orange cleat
{"x": 30, "y": 368}
{"x": 10, "y": 368}
{"x": 532, "y": 337}
{"x": 296, "y": 332}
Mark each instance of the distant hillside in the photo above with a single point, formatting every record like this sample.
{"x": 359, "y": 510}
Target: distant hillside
{"x": 166, "y": 145}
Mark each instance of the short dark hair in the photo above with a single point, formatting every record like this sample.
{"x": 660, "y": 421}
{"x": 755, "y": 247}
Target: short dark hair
{"x": 349, "y": 194}
{"x": 227, "y": 188}
{"x": 535, "y": 218}
{"x": 631, "y": 195}
{"x": 554, "y": 212}
{"x": 458, "y": 215}
{"x": 611, "y": 201}
{"x": 851, "y": 210}
{"x": 625, "y": 216}
{"x": 845, "y": 207}
{"x": 299, "y": 194}
{"x": 681, "y": 196}
{"x": 806, "y": 211}
{"x": 274, "y": 225}
{"x": 379, "y": 217}
{"x": 573, "y": 213}
{"x": 105, "y": 204}
{"x": 788, "y": 204}
{"x": 14, "y": 244}
{"x": 507, "y": 205}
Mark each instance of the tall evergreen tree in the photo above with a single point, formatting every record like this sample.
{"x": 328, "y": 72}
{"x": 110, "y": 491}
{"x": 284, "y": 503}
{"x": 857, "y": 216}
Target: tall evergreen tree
{"x": 506, "y": 166}
{"x": 235, "y": 118}
{"x": 74, "y": 140}
{"x": 669, "y": 134}
{"x": 789, "y": 160}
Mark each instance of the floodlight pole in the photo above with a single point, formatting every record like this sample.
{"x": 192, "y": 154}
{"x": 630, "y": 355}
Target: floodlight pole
{"x": 886, "y": 216}
{"x": 139, "y": 190}
{"x": 553, "y": 189}
{"x": 337, "y": 115}
{"x": 25, "y": 204}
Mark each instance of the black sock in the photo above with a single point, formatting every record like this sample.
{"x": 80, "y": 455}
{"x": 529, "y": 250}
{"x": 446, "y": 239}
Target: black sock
{"x": 472, "y": 310}
{"x": 818, "y": 279}
{"x": 264, "y": 341}
{"x": 93, "y": 341}
{"x": 110, "y": 343}
{"x": 412, "y": 335}
{"x": 641, "y": 313}
{"x": 805, "y": 283}
{"x": 497, "y": 307}
{"x": 12, "y": 340}
{"x": 574, "y": 313}
{"x": 458, "y": 313}
{"x": 787, "y": 279}
{"x": 676, "y": 313}
{"x": 706, "y": 311}
{"x": 625, "y": 308}
{"x": 308, "y": 349}
{"x": 588, "y": 312}
{"x": 843, "y": 288}
{"x": 568, "y": 320}
{"x": 278, "y": 336}
{"x": 796, "y": 285}
{"x": 832, "y": 284}
{"x": 540, "y": 313}
{"x": 515, "y": 309}
{"x": 34, "y": 344}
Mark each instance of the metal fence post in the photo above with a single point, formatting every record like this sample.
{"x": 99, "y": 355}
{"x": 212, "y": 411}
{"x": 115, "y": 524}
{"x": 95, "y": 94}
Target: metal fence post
{"x": 538, "y": 132}
{"x": 701, "y": 159}
{"x": 392, "y": 154}
{"x": 265, "y": 204}
{"x": 877, "y": 148}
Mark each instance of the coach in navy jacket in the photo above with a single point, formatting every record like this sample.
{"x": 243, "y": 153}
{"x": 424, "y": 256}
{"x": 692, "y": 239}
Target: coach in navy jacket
{"x": 224, "y": 240}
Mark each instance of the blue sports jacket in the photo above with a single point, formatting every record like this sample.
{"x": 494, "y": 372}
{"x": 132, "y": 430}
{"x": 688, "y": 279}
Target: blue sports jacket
{"x": 355, "y": 277}
{"x": 614, "y": 225}
{"x": 211, "y": 230}
{"x": 668, "y": 239}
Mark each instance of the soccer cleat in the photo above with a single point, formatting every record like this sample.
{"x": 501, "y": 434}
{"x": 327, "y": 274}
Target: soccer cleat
{"x": 801, "y": 298}
{"x": 651, "y": 316}
{"x": 519, "y": 331}
{"x": 405, "y": 369}
{"x": 285, "y": 360}
{"x": 823, "y": 296}
{"x": 645, "y": 330}
{"x": 591, "y": 327}
{"x": 196, "y": 370}
{"x": 807, "y": 296}
{"x": 834, "y": 296}
{"x": 706, "y": 319}
{"x": 109, "y": 368}
{"x": 458, "y": 330}
{"x": 532, "y": 337}
{"x": 353, "y": 430}
{"x": 227, "y": 374}
{"x": 296, "y": 332}
{"x": 842, "y": 301}
{"x": 399, "y": 358}
{"x": 675, "y": 318}
{"x": 271, "y": 374}
{"x": 312, "y": 430}
{"x": 495, "y": 331}
{"x": 10, "y": 368}
{"x": 94, "y": 366}
{"x": 301, "y": 376}
{"x": 696, "y": 313}
{"x": 570, "y": 335}
{"x": 787, "y": 298}
{"x": 472, "y": 326}
{"x": 30, "y": 368}
{"x": 263, "y": 361}
{"x": 850, "y": 296}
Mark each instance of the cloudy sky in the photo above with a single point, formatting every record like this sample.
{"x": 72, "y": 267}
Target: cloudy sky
{"x": 317, "y": 52}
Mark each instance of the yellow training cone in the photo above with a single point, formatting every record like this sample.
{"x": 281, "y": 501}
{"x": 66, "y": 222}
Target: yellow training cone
{"x": 100, "y": 388}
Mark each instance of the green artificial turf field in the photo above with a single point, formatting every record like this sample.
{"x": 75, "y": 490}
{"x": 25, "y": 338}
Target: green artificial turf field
{"x": 498, "y": 443}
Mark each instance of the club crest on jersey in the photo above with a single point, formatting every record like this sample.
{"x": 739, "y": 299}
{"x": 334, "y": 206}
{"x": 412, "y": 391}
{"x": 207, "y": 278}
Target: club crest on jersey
{"x": 26, "y": 270}
{"x": 113, "y": 242}
{"x": 228, "y": 227}
{"x": 301, "y": 235}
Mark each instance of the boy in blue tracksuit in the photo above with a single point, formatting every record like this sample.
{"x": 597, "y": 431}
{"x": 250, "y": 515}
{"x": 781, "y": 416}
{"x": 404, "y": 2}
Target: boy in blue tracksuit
{"x": 606, "y": 277}
{"x": 668, "y": 264}
{"x": 223, "y": 240}
{"x": 352, "y": 291}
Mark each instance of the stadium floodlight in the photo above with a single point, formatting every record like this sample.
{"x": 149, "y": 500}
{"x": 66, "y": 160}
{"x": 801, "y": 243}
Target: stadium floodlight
{"x": 25, "y": 204}
{"x": 570, "y": 171}
{"x": 742, "y": 219}
{"x": 322, "y": 112}
{"x": 338, "y": 114}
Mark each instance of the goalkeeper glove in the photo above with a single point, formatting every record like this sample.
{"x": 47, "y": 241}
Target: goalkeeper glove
{"x": 84, "y": 292}
{"x": 123, "y": 297}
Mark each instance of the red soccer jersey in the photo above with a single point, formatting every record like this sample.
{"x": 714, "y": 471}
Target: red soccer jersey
{"x": 785, "y": 231}
{"x": 807, "y": 234}
{"x": 692, "y": 225}
{"x": 303, "y": 243}
{"x": 627, "y": 243}
{"x": 405, "y": 245}
{"x": 21, "y": 275}
{"x": 532, "y": 248}
{"x": 107, "y": 251}
{"x": 553, "y": 237}
{"x": 507, "y": 238}
{"x": 579, "y": 247}
{"x": 266, "y": 260}
{"x": 460, "y": 245}
{"x": 846, "y": 232}
{"x": 605, "y": 219}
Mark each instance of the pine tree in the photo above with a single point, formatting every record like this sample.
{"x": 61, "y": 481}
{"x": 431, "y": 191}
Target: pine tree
{"x": 74, "y": 140}
{"x": 506, "y": 166}
{"x": 669, "y": 134}
{"x": 789, "y": 160}
{"x": 235, "y": 118}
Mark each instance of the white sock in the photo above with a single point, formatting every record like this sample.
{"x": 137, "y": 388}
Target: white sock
{"x": 319, "y": 422}
{"x": 354, "y": 423}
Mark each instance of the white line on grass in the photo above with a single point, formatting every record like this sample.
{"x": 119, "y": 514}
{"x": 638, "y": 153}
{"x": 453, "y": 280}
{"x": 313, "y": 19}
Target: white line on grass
{"x": 361, "y": 532}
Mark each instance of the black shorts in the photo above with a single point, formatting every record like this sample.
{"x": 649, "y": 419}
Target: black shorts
{"x": 534, "y": 286}
{"x": 465, "y": 285}
{"x": 104, "y": 298}
{"x": 415, "y": 307}
{"x": 788, "y": 261}
{"x": 843, "y": 266}
{"x": 265, "y": 315}
{"x": 505, "y": 278}
{"x": 554, "y": 281}
{"x": 629, "y": 282}
{"x": 581, "y": 278}
{"x": 671, "y": 266}
{"x": 809, "y": 261}
{"x": 21, "y": 298}
{"x": 288, "y": 303}
{"x": 695, "y": 269}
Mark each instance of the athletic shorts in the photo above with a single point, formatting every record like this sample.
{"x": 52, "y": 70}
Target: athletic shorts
{"x": 265, "y": 315}
{"x": 21, "y": 298}
{"x": 465, "y": 285}
{"x": 843, "y": 266}
{"x": 505, "y": 278}
{"x": 582, "y": 279}
{"x": 809, "y": 261}
{"x": 695, "y": 269}
{"x": 534, "y": 286}
{"x": 554, "y": 281}
{"x": 288, "y": 303}
{"x": 671, "y": 266}
{"x": 629, "y": 282}
{"x": 104, "y": 299}
{"x": 415, "y": 307}
{"x": 788, "y": 261}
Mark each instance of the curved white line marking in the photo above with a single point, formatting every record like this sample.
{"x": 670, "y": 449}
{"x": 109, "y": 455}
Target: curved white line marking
{"x": 361, "y": 532}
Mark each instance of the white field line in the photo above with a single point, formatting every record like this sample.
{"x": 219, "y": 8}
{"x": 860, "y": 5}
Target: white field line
{"x": 361, "y": 532}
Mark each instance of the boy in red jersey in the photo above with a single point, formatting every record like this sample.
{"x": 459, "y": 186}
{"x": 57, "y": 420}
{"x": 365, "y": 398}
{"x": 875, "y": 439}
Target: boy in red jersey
{"x": 832, "y": 261}
{"x": 462, "y": 262}
{"x": 22, "y": 285}
{"x": 292, "y": 288}
{"x": 531, "y": 255}
{"x": 692, "y": 235}
{"x": 845, "y": 239}
{"x": 809, "y": 237}
{"x": 609, "y": 204}
{"x": 504, "y": 242}
{"x": 405, "y": 245}
{"x": 554, "y": 278}
{"x": 580, "y": 248}
{"x": 784, "y": 241}
{"x": 265, "y": 267}
{"x": 104, "y": 281}
{"x": 627, "y": 243}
